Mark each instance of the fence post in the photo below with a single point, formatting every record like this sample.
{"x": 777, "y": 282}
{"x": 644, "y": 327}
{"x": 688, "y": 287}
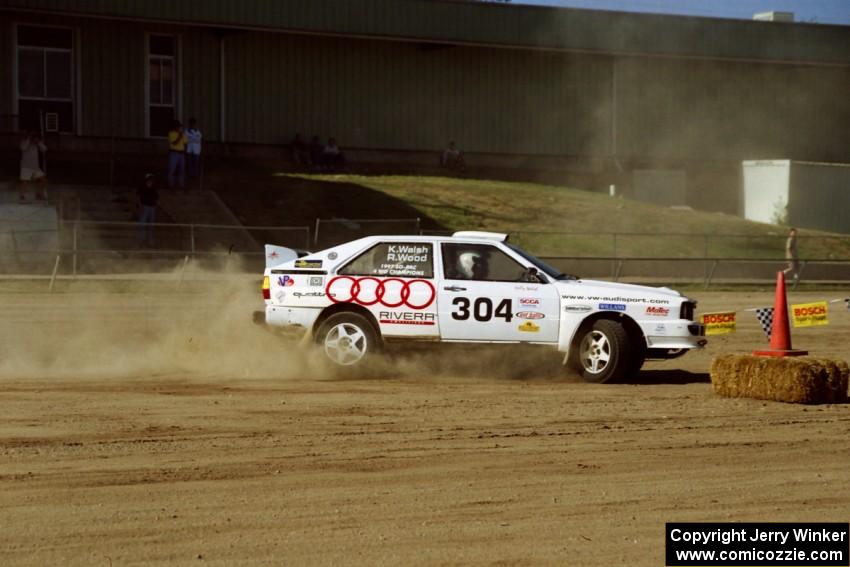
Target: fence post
{"x": 192, "y": 239}
{"x": 183, "y": 271}
{"x": 316, "y": 234}
{"x": 418, "y": 225}
{"x": 55, "y": 271}
{"x": 705, "y": 255}
{"x": 74, "y": 256}
{"x": 307, "y": 240}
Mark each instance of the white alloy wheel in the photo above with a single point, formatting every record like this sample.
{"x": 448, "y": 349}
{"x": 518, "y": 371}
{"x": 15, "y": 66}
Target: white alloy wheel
{"x": 346, "y": 344}
{"x": 595, "y": 352}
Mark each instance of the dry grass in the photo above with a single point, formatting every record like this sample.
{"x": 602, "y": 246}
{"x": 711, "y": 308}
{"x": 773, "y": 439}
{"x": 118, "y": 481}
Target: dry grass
{"x": 801, "y": 380}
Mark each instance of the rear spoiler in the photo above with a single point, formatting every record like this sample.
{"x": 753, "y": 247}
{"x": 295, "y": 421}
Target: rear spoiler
{"x": 276, "y": 255}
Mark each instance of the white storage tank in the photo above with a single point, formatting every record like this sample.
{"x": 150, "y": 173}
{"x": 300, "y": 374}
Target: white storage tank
{"x": 797, "y": 193}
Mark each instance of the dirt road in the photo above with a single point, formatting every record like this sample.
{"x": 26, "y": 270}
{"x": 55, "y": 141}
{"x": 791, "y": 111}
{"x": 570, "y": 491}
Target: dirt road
{"x": 159, "y": 431}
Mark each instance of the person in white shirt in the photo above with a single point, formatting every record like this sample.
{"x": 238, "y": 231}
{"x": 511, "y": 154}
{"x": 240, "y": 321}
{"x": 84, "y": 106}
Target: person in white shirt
{"x": 332, "y": 156}
{"x": 31, "y": 148}
{"x": 193, "y": 148}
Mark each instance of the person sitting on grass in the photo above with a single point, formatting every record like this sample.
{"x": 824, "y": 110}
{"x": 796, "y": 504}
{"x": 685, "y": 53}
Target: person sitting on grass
{"x": 452, "y": 158}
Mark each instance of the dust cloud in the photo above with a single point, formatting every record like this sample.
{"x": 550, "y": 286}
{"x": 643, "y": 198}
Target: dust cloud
{"x": 201, "y": 328}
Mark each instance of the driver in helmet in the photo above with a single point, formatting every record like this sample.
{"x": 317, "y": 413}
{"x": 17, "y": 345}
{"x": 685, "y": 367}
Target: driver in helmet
{"x": 472, "y": 266}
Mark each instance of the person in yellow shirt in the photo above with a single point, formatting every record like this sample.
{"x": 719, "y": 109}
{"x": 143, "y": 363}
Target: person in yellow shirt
{"x": 177, "y": 156}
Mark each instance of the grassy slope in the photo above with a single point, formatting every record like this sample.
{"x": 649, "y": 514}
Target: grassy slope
{"x": 525, "y": 208}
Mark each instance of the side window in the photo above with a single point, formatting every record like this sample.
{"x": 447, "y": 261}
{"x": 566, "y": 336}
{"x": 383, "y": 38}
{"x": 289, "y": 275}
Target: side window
{"x": 480, "y": 262}
{"x": 394, "y": 259}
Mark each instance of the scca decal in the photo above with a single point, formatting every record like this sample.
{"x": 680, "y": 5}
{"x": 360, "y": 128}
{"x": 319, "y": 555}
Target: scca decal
{"x": 529, "y": 315}
{"x": 529, "y": 302}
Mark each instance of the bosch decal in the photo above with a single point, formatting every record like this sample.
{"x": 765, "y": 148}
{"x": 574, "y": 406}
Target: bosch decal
{"x": 612, "y": 306}
{"x": 389, "y": 292}
{"x": 529, "y": 315}
{"x": 285, "y": 281}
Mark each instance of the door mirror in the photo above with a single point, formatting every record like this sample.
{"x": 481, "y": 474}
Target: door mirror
{"x": 532, "y": 276}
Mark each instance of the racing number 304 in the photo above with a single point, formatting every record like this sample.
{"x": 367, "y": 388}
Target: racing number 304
{"x": 482, "y": 309}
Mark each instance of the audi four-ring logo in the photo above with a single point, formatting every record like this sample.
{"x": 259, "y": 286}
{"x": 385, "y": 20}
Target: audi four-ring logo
{"x": 389, "y": 292}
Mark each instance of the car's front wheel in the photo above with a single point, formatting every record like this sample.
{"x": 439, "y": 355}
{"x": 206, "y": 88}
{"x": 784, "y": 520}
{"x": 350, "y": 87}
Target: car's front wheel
{"x": 347, "y": 338}
{"x": 604, "y": 353}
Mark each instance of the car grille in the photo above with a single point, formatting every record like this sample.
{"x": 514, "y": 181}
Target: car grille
{"x": 687, "y": 310}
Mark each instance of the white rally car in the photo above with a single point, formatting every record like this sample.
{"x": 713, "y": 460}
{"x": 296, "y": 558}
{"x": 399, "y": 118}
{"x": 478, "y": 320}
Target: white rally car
{"x": 473, "y": 287}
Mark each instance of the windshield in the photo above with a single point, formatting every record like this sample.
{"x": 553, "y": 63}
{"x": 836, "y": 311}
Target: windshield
{"x": 541, "y": 265}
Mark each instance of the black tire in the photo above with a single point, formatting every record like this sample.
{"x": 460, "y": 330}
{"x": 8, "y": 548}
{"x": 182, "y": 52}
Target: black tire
{"x": 603, "y": 352}
{"x": 347, "y": 339}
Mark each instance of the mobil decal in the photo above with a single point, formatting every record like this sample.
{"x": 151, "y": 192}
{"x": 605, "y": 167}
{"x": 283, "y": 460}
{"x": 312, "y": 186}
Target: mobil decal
{"x": 285, "y": 281}
{"x": 809, "y": 314}
{"x": 529, "y": 315}
{"x": 388, "y": 292}
{"x": 406, "y": 318}
{"x": 719, "y": 323}
{"x": 657, "y": 311}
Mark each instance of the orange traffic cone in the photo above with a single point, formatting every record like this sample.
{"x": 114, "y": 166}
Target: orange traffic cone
{"x": 780, "y": 332}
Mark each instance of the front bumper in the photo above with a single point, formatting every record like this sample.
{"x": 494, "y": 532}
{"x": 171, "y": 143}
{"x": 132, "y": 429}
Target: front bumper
{"x": 678, "y": 334}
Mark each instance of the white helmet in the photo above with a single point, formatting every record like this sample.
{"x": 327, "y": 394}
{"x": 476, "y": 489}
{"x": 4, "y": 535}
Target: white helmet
{"x": 466, "y": 263}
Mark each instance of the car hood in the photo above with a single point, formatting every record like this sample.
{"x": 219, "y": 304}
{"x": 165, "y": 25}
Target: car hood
{"x": 593, "y": 288}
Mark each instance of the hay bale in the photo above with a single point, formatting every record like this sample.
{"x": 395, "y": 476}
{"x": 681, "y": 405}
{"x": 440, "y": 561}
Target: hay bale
{"x": 799, "y": 380}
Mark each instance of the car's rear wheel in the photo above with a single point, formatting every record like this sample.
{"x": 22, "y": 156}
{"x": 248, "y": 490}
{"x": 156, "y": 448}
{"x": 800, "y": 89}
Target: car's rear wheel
{"x": 604, "y": 353}
{"x": 347, "y": 338}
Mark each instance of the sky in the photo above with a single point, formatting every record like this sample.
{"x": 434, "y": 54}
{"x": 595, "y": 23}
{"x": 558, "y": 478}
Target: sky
{"x": 816, "y": 11}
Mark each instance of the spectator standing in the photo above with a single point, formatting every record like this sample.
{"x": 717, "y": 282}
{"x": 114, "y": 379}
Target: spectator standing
{"x": 300, "y": 151}
{"x": 316, "y": 152}
{"x": 332, "y": 156}
{"x": 792, "y": 256}
{"x": 452, "y": 158}
{"x": 193, "y": 148}
{"x": 31, "y": 149}
{"x": 177, "y": 156}
{"x": 147, "y": 199}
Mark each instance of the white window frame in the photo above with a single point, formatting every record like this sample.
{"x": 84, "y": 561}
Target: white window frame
{"x": 73, "y": 71}
{"x": 176, "y": 66}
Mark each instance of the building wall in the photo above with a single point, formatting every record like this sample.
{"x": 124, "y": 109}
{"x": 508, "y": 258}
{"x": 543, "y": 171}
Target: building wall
{"x": 416, "y": 96}
{"x": 719, "y": 110}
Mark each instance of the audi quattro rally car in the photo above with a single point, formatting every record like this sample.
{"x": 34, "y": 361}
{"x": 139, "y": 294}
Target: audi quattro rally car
{"x": 473, "y": 287}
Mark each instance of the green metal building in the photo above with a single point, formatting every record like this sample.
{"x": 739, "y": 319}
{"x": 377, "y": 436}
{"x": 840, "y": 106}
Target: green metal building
{"x": 396, "y": 75}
